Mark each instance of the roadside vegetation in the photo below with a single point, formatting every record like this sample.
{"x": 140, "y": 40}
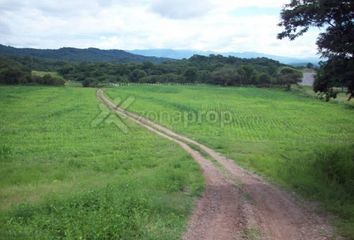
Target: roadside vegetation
{"x": 301, "y": 143}
{"x": 60, "y": 177}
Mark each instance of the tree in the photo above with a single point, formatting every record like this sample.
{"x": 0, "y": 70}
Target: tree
{"x": 264, "y": 79}
{"x": 12, "y": 72}
{"x": 310, "y": 65}
{"x": 336, "y": 42}
{"x": 247, "y": 74}
{"x": 225, "y": 76}
{"x": 191, "y": 74}
{"x": 86, "y": 83}
{"x": 337, "y": 72}
{"x": 137, "y": 74}
{"x": 288, "y": 76}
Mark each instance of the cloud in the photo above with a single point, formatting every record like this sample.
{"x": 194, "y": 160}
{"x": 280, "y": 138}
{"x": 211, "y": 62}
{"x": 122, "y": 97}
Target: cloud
{"x": 181, "y": 9}
{"x": 137, "y": 24}
{"x": 4, "y": 28}
{"x": 231, "y": 5}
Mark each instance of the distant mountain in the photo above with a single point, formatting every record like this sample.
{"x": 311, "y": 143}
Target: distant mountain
{"x": 146, "y": 55}
{"x": 171, "y": 53}
{"x": 79, "y": 55}
{"x": 180, "y": 54}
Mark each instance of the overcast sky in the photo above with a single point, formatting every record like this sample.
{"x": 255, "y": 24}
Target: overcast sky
{"x": 217, "y": 25}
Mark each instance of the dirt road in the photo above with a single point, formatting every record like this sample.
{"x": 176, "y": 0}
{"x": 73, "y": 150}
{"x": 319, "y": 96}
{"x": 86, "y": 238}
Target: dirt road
{"x": 238, "y": 204}
{"x": 308, "y": 78}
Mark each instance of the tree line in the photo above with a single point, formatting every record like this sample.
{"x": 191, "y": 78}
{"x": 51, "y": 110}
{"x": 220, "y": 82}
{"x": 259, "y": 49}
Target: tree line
{"x": 13, "y": 71}
{"x": 214, "y": 69}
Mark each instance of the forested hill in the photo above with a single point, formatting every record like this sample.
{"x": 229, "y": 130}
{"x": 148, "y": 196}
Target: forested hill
{"x": 79, "y": 55}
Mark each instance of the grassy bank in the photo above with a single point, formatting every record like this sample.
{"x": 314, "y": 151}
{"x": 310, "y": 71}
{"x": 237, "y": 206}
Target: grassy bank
{"x": 60, "y": 177}
{"x": 296, "y": 141}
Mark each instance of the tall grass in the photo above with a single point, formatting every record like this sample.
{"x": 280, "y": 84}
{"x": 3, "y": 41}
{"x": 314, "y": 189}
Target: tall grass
{"x": 325, "y": 175}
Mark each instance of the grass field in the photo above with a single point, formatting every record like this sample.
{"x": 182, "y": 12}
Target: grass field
{"x": 299, "y": 142}
{"x": 42, "y": 73}
{"x": 307, "y": 91}
{"x": 62, "y": 178}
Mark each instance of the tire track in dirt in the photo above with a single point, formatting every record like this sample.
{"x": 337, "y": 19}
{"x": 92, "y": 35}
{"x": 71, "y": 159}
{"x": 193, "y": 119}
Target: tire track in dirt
{"x": 238, "y": 204}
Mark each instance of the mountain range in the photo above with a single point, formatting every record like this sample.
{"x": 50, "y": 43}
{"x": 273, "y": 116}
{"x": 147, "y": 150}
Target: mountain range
{"x": 180, "y": 54}
{"x": 79, "y": 55}
{"x": 144, "y": 55}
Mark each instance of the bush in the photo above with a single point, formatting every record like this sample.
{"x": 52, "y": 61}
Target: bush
{"x": 89, "y": 82}
{"x": 13, "y": 73}
{"x": 336, "y": 166}
{"x": 288, "y": 76}
{"x": 225, "y": 76}
{"x": 47, "y": 79}
{"x": 264, "y": 79}
{"x": 137, "y": 74}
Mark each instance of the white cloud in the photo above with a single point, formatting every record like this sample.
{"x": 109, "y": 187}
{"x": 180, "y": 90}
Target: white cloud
{"x": 181, "y": 9}
{"x": 138, "y": 24}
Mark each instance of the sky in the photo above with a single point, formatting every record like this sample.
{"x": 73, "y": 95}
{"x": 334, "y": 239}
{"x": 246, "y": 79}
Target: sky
{"x": 214, "y": 25}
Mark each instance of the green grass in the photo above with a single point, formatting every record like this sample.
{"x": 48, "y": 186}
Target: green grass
{"x": 342, "y": 97}
{"x": 61, "y": 178}
{"x": 281, "y": 135}
{"x": 42, "y": 73}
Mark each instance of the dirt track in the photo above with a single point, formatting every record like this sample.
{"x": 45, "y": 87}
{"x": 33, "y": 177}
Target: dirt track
{"x": 236, "y": 203}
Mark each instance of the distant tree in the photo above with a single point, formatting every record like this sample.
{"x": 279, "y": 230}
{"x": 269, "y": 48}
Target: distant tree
{"x": 191, "y": 74}
{"x": 288, "y": 76}
{"x": 310, "y": 65}
{"x": 66, "y": 69}
{"x": 13, "y": 72}
{"x": 203, "y": 76}
{"x": 48, "y": 79}
{"x": 226, "y": 76}
{"x": 264, "y": 79}
{"x": 12, "y": 76}
{"x": 215, "y": 69}
{"x": 137, "y": 74}
{"x": 86, "y": 83}
{"x": 147, "y": 79}
{"x": 247, "y": 74}
{"x": 336, "y": 43}
{"x": 148, "y": 65}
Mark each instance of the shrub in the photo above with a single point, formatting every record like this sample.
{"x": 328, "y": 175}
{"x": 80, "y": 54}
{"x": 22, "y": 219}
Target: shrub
{"x": 47, "y": 79}
{"x": 336, "y": 166}
{"x": 288, "y": 76}
{"x": 13, "y": 73}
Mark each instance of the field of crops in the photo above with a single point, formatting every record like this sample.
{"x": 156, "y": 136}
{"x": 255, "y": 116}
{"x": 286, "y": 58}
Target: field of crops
{"x": 66, "y": 169}
{"x": 62, "y": 177}
{"x": 299, "y": 142}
